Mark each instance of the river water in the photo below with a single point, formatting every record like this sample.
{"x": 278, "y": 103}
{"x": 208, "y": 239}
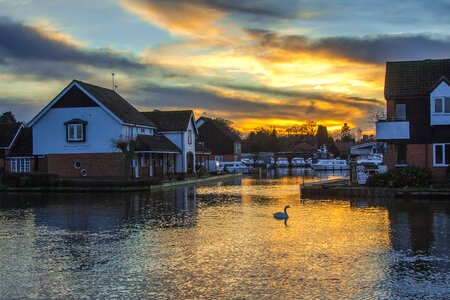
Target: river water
{"x": 220, "y": 241}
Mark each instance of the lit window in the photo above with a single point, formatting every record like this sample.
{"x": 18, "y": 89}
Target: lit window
{"x": 76, "y": 130}
{"x": 20, "y": 165}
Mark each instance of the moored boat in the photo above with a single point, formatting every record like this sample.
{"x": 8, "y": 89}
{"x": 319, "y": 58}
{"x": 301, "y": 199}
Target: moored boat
{"x": 330, "y": 164}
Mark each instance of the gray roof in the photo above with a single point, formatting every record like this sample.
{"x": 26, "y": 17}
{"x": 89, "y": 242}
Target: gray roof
{"x": 155, "y": 143}
{"x": 7, "y": 133}
{"x": 23, "y": 147}
{"x": 116, "y": 104}
{"x": 174, "y": 120}
{"x": 406, "y": 79}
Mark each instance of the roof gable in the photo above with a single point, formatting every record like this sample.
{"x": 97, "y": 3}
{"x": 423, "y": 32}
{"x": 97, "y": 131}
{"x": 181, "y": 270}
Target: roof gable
{"x": 108, "y": 100}
{"x": 407, "y": 79}
{"x": 74, "y": 97}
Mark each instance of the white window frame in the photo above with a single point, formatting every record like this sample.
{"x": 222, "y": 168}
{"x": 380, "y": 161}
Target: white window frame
{"x": 20, "y": 165}
{"x": 189, "y": 138}
{"x": 78, "y": 132}
{"x": 443, "y": 101}
{"x": 443, "y": 164}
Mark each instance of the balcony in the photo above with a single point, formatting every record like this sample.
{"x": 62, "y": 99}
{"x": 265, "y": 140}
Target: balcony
{"x": 392, "y": 130}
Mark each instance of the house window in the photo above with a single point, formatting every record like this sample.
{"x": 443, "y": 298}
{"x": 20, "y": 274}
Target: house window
{"x": 20, "y": 165}
{"x": 400, "y": 111}
{"x": 142, "y": 160}
{"x": 442, "y": 105}
{"x": 218, "y": 158}
{"x": 189, "y": 137}
{"x": 401, "y": 154}
{"x": 142, "y": 130}
{"x": 76, "y": 130}
{"x": 441, "y": 154}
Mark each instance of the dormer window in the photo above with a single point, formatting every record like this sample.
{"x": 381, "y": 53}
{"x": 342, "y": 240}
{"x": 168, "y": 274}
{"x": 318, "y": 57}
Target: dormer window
{"x": 76, "y": 130}
{"x": 442, "y": 105}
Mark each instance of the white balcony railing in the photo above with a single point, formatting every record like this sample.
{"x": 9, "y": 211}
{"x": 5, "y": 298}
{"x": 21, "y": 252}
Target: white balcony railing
{"x": 392, "y": 130}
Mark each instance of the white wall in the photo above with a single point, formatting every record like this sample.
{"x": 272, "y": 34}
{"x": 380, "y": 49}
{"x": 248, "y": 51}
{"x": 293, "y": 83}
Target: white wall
{"x": 180, "y": 139}
{"x": 392, "y": 130}
{"x": 442, "y": 90}
{"x": 49, "y": 133}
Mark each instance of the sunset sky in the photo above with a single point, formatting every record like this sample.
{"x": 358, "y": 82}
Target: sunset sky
{"x": 257, "y": 63}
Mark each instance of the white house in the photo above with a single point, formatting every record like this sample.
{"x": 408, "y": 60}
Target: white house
{"x": 180, "y": 128}
{"x": 92, "y": 131}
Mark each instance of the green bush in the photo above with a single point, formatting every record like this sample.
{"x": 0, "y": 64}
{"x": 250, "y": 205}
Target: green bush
{"x": 409, "y": 176}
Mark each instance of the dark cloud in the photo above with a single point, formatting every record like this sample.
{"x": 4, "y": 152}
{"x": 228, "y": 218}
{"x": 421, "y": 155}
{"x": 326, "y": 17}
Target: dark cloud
{"x": 154, "y": 96}
{"x": 370, "y": 49}
{"x": 22, "y": 108}
{"x": 285, "y": 9}
{"x": 21, "y": 42}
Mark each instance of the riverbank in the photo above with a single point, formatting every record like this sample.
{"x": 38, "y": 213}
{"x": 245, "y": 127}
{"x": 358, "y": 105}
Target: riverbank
{"x": 91, "y": 186}
{"x": 341, "y": 189}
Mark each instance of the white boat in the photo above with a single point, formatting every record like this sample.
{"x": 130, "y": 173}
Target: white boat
{"x": 234, "y": 167}
{"x": 371, "y": 160}
{"x": 298, "y": 162}
{"x": 330, "y": 164}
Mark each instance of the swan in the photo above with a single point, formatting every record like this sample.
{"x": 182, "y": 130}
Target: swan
{"x": 282, "y": 216}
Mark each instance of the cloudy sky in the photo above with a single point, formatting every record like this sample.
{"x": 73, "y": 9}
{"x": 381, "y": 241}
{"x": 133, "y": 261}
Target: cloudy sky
{"x": 257, "y": 63}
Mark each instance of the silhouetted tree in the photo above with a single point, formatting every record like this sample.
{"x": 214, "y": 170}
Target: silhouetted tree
{"x": 8, "y": 118}
{"x": 322, "y": 135}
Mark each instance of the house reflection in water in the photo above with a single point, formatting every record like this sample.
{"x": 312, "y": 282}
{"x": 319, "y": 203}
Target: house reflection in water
{"x": 416, "y": 227}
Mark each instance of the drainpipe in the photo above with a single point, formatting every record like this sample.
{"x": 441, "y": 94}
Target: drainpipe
{"x": 183, "y": 158}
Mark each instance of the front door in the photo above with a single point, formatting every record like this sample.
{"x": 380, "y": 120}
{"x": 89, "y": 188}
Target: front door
{"x": 136, "y": 167}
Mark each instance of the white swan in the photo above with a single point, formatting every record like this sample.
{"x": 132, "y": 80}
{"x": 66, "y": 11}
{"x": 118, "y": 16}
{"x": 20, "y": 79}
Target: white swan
{"x": 282, "y": 216}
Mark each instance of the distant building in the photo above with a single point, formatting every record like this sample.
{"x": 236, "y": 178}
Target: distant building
{"x": 9, "y": 133}
{"x": 225, "y": 145}
{"x": 417, "y": 128}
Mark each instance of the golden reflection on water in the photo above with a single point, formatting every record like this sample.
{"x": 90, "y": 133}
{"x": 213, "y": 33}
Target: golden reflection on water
{"x": 221, "y": 242}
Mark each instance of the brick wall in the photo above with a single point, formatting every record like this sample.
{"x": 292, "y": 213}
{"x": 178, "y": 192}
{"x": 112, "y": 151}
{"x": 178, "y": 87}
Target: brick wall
{"x": 96, "y": 165}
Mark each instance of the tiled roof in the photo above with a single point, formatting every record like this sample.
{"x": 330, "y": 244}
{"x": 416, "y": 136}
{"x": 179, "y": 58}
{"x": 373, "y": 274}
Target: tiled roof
{"x": 24, "y": 144}
{"x": 232, "y": 135}
{"x": 201, "y": 149}
{"x": 155, "y": 143}
{"x": 116, "y": 104}
{"x": 302, "y": 147}
{"x": 406, "y": 79}
{"x": 175, "y": 120}
{"x": 7, "y": 133}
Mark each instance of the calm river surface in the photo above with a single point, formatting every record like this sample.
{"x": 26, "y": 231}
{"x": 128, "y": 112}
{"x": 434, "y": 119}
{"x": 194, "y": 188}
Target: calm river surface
{"x": 220, "y": 241}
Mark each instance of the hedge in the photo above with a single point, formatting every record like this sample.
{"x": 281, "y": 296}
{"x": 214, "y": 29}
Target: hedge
{"x": 408, "y": 176}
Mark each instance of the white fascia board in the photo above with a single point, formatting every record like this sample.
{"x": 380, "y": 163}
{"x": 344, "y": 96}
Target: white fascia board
{"x": 17, "y": 134}
{"x": 46, "y": 108}
{"x": 137, "y": 125}
{"x": 100, "y": 104}
{"x": 72, "y": 84}
{"x": 169, "y": 152}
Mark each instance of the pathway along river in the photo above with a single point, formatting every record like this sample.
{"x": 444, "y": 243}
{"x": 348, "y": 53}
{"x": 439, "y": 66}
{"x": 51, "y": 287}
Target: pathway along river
{"x": 221, "y": 242}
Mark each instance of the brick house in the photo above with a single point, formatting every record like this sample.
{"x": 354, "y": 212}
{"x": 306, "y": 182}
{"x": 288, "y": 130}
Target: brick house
{"x": 417, "y": 128}
{"x": 225, "y": 145}
{"x": 179, "y": 127}
{"x": 92, "y": 131}
{"x": 9, "y": 133}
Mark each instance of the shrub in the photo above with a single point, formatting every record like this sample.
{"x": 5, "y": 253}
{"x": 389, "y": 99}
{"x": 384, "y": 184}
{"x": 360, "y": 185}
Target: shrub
{"x": 409, "y": 176}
